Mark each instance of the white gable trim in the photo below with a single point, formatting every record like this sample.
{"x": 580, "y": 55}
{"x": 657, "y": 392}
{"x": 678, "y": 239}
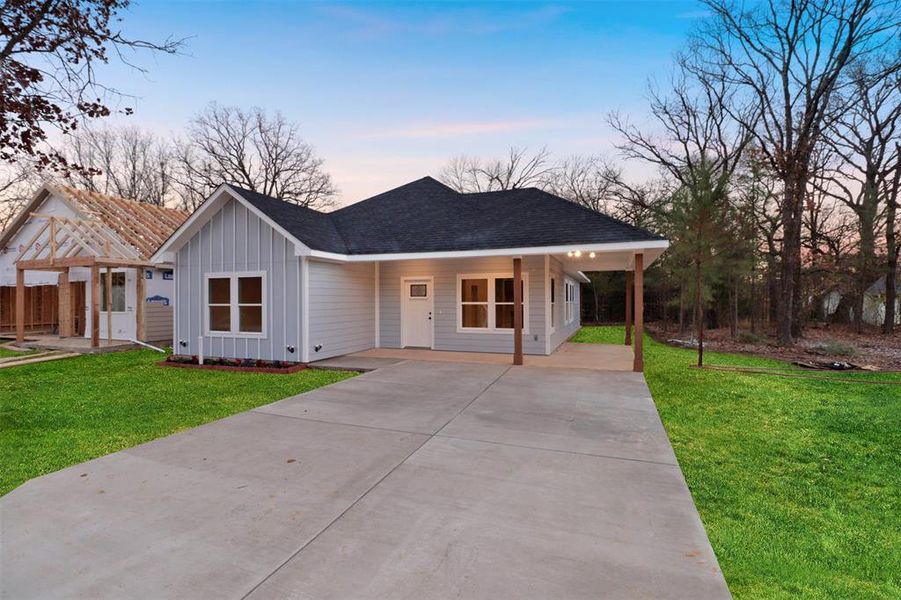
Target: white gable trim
{"x": 205, "y": 212}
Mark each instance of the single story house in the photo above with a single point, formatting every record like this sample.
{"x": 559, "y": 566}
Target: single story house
{"x": 417, "y": 266}
{"x": 76, "y": 263}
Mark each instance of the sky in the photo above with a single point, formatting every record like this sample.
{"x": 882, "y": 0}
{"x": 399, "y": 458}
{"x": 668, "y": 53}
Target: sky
{"x": 388, "y": 92}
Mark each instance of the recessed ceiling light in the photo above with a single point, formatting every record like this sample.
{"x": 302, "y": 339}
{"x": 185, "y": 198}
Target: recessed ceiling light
{"x": 591, "y": 255}
{"x": 578, "y": 253}
{"x": 570, "y": 253}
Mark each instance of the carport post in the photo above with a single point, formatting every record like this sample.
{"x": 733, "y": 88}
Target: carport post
{"x": 628, "y": 341}
{"x": 517, "y": 311}
{"x": 638, "y": 364}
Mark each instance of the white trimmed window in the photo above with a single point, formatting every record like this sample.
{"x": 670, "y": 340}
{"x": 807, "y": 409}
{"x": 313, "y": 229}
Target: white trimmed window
{"x": 236, "y": 304}
{"x": 553, "y": 304}
{"x": 571, "y": 290}
{"x": 117, "y": 287}
{"x": 485, "y": 303}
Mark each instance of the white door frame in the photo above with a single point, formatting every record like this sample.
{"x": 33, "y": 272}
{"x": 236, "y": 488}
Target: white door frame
{"x": 403, "y": 306}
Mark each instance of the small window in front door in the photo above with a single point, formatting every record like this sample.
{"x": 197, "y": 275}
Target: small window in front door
{"x": 419, "y": 290}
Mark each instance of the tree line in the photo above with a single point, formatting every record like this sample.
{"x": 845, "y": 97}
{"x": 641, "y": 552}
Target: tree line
{"x": 777, "y": 148}
{"x": 775, "y": 144}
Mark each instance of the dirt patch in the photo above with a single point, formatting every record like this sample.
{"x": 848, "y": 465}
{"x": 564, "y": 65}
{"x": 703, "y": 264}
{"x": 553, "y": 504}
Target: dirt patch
{"x": 824, "y": 343}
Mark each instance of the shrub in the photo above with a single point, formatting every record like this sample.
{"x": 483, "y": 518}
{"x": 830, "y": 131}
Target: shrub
{"x": 836, "y": 348}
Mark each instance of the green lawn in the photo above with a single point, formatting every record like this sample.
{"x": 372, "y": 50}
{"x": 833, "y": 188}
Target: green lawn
{"x": 798, "y": 481}
{"x": 60, "y": 413}
{"x": 6, "y": 352}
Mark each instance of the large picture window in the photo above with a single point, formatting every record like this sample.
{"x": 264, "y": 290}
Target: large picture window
{"x": 485, "y": 303}
{"x": 236, "y": 304}
{"x": 117, "y": 281}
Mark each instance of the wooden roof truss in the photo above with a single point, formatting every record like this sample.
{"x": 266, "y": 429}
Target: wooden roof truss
{"x": 65, "y": 242}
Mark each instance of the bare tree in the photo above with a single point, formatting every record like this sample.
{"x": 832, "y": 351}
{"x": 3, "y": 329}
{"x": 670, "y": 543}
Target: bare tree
{"x": 18, "y": 181}
{"x": 49, "y": 53}
{"x": 519, "y": 169}
{"x": 862, "y": 139}
{"x": 589, "y": 181}
{"x": 699, "y": 145}
{"x": 251, "y": 149}
{"x": 788, "y": 58}
{"x": 125, "y": 161}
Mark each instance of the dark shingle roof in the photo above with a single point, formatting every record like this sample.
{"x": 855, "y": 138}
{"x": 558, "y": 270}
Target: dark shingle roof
{"x": 428, "y": 216}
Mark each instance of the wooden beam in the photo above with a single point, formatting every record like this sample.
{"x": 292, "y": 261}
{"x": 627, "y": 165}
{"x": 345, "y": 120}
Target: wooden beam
{"x": 139, "y": 304}
{"x": 65, "y": 305}
{"x": 95, "y": 306}
{"x": 638, "y": 362}
{"x": 80, "y": 261}
{"x": 109, "y": 305}
{"x": 20, "y": 305}
{"x": 629, "y": 304}
{"x": 517, "y": 311}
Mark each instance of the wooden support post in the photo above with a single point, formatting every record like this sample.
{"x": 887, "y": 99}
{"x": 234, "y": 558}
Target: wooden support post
{"x": 95, "y": 306}
{"x": 629, "y": 303}
{"x": 139, "y": 304}
{"x": 638, "y": 364}
{"x": 20, "y": 305}
{"x": 109, "y": 305}
{"x": 66, "y": 319}
{"x": 517, "y": 311}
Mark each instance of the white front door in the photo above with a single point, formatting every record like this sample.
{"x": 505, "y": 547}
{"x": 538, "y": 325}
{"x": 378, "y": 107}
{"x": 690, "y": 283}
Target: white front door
{"x": 416, "y": 326}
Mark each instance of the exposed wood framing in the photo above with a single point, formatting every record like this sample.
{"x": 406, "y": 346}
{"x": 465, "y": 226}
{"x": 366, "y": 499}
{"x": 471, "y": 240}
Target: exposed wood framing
{"x": 95, "y": 306}
{"x": 109, "y": 305}
{"x": 139, "y": 304}
{"x": 20, "y": 305}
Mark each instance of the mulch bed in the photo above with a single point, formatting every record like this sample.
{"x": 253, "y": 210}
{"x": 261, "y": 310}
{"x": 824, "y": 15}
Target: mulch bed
{"x": 279, "y": 368}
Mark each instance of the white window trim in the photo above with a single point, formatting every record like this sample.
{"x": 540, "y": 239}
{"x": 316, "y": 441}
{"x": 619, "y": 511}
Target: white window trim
{"x": 570, "y": 299}
{"x": 103, "y": 291}
{"x": 491, "y": 329}
{"x": 553, "y": 300}
{"x": 234, "y": 317}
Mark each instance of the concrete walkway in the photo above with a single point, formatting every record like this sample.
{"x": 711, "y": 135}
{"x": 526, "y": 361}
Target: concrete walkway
{"x": 417, "y": 480}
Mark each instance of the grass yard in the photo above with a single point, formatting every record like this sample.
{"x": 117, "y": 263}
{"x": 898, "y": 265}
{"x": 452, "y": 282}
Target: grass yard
{"x": 7, "y": 353}
{"x": 798, "y": 481}
{"x": 60, "y": 413}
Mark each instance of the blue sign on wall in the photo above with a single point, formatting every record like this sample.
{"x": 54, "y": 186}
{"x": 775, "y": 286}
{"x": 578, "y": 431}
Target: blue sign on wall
{"x": 158, "y": 300}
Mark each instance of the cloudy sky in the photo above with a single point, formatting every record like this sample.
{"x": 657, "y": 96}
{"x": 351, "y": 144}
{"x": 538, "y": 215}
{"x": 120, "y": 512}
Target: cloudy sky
{"x": 386, "y": 93}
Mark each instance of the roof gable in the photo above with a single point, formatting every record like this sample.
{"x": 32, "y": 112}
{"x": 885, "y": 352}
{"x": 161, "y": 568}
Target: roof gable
{"x": 142, "y": 226}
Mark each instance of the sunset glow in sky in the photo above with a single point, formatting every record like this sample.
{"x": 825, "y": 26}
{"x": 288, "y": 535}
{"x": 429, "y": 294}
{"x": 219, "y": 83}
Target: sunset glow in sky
{"x": 387, "y": 93}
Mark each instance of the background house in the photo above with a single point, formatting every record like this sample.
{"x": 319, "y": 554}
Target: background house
{"x": 63, "y": 235}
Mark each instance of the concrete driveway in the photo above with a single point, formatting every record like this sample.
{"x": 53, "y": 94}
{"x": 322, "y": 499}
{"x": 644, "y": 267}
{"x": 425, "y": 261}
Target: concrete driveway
{"x": 418, "y": 480}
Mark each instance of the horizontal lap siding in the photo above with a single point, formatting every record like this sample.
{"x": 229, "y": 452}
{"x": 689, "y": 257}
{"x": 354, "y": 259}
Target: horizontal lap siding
{"x": 445, "y": 274}
{"x": 342, "y": 308}
{"x": 563, "y": 331}
{"x": 235, "y": 240}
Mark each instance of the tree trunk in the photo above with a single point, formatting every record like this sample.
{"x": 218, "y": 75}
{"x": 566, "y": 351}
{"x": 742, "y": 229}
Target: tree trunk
{"x": 754, "y": 311}
{"x": 699, "y": 313}
{"x": 681, "y": 310}
{"x": 891, "y": 247}
{"x": 789, "y": 292}
{"x": 866, "y": 256}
